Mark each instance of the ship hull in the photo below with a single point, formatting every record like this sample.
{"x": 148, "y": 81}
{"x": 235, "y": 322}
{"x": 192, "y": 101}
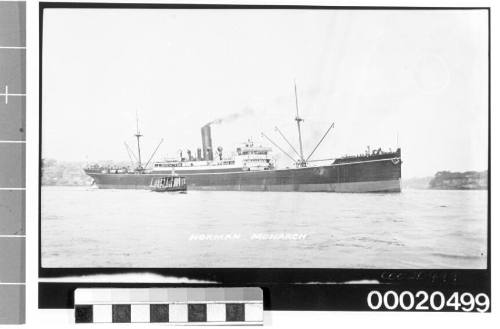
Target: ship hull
{"x": 358, "y": 177}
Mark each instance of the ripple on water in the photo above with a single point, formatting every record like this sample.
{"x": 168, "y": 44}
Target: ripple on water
{"x": 90, "y": 226}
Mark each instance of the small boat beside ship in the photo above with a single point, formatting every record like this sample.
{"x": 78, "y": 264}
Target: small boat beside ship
{"x": 171, "y": 183}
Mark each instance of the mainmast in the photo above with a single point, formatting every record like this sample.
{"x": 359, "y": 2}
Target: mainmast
{"x": 299, "y": 120}
{"x": 301, "y": 162}
{"x": 138, "y": 136}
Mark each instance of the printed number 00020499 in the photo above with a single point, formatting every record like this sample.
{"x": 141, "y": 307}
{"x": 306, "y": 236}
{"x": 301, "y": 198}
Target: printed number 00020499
{"x": 422, "y": 301}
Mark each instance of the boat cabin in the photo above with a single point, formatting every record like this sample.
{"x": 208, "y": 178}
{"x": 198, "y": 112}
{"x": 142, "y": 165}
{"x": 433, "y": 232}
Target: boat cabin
{"x": 168, "y": 184}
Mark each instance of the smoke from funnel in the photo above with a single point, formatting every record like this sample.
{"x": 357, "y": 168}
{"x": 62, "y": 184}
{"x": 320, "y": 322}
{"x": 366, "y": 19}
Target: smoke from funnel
{"x": 206, "y": 134}
{"x": 231, "y": 117}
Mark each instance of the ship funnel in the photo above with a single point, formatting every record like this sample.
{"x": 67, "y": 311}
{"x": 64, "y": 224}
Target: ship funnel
{"x": 206, "y": 140}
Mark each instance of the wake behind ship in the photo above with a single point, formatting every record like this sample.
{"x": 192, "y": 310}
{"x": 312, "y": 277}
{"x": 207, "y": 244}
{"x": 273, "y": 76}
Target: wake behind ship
{"x": 251, "y": 168}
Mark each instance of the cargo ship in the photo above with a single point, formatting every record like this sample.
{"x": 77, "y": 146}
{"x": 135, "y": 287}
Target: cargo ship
{"x": 251, "y": 168}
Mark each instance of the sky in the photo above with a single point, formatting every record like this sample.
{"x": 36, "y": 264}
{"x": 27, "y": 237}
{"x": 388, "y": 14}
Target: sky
{"x": 387, "y": 78}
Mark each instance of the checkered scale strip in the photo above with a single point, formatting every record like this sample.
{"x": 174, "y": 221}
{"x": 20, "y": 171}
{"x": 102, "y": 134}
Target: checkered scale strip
{"x": 118, "y": 306}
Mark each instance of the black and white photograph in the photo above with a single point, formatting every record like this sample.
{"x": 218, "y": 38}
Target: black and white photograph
{"x": 264, "y": 138}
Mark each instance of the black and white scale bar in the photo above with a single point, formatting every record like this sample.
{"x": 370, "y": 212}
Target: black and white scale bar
{"x": 195, "y": 306}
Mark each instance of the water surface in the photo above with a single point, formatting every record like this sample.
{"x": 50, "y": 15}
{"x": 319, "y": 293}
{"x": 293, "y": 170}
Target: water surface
{"x": 88, "y": 227}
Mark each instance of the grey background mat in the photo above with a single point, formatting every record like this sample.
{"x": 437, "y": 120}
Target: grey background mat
{"x": 12, "y": 161}
{"x": 12, "y": 304}
{"x": 13, "y": 23}
{"x": 13, "y": 71}
{"x": 12, "y": 165}
{"x": 12, "y": 212}
{"x": 12, "y": 269}
{"x": 12, "y": 119}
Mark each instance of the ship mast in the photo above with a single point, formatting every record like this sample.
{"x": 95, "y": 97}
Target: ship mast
{"x": 299, "y": 120}
{"x": 138, "y": 136}
{"x": 301, "y": 162}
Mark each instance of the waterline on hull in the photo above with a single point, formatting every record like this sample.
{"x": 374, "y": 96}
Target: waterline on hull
{"x": 392, "y": 186}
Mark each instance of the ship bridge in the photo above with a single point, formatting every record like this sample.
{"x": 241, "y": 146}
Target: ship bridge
{"x": 254, "y": 157}
{"x": 247, "y": 157}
